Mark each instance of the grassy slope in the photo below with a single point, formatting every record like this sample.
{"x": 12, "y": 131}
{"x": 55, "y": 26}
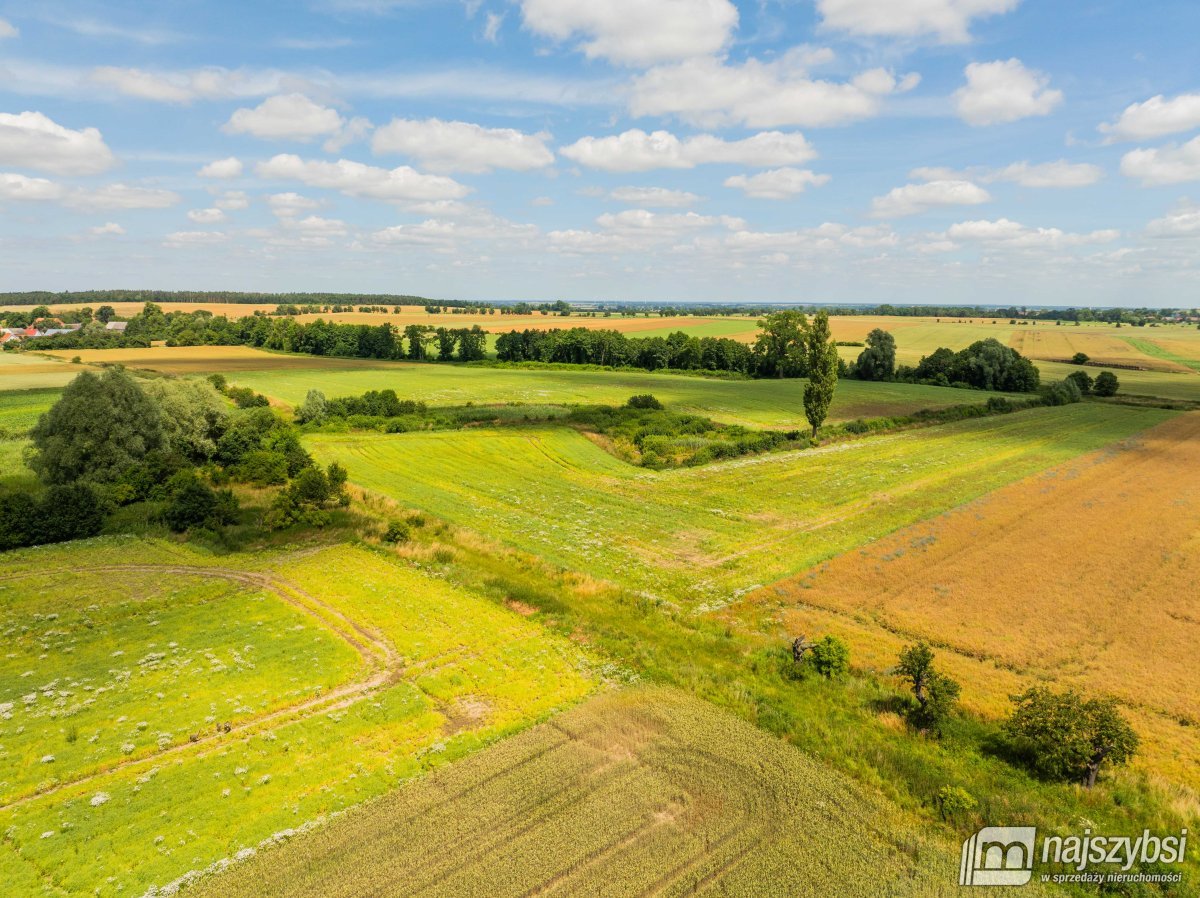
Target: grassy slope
{"x": 758, "y": 403}
{"x": 704, "y": 535}
{"x": 635, "y": 792}
{"x": 463, "y": 672}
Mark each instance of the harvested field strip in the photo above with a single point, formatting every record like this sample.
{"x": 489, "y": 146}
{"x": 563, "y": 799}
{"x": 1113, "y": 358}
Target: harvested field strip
{"x": 701, "y": 536}
{"x": 1165, "y": 350}
{"x": 447, "y": 672}
{"x": 984, "y": 580}
{"x": 653, "y": 793}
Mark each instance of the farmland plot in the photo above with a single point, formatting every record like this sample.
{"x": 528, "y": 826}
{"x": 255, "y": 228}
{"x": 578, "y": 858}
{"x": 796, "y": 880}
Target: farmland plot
{"x": 284, "y": 702}
{"x": 637, "y": 792}
{"x": 1083, "y": 576}
{"x": 700, "y": 537}
{"x": 752, "y": 403}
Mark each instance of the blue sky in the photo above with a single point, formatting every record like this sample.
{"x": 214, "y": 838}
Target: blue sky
{"x": 949, "y": 151}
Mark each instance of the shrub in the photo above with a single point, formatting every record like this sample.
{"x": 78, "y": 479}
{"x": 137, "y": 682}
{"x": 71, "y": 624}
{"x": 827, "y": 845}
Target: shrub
{"x": 60, "y": 514}
{"x": 644, "y": 401}
{"x": 1064, "y": 392}
{"x": 1081, "y": 379}
{"x": 953, "y": 801}
{"x": 999, "y": 405}
{"x": 193, "y": 503}
{"x": 1080, "y": 358}
{"x": 858, "y": 426}
{"x": 1106, "y": 384}
{"x": 830, "y": 657}
{"x": 397, "y": 532}
{"x": 244, "y": 397}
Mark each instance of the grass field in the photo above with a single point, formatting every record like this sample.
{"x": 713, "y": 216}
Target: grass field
{"x": 25, "y": 371}
{"x": 19, "y": 411}
{"x": 702, "y": 536}
{"x": 639, "y": 792}
{"x": 1082, "y": 576}
{"x": 755, "y": 403}
{"x": 279, "y": 704}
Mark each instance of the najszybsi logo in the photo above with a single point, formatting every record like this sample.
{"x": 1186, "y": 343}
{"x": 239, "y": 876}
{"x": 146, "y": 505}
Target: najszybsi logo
{"x": 1004, "y": 856}
{"x": 998, "y": 856}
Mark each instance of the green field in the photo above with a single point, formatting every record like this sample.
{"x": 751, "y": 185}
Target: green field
{"x": 25, "y": 371}
{"x": 19, "y": 411}
{"x": 754, "y": 403}
{"x": 252, "y": 704}
{"x": 638, "y": 792}
{"x": 700, "y": 537}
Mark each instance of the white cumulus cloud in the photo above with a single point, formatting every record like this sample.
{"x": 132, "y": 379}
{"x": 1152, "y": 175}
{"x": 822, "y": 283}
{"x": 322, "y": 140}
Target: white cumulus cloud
{"x": 777, "y": 184}
{"x": 7, "y": 29}
{"x": 206, "y": 216}
{"x": 20, "y": 187}
{"x": 33, "y": 140}
{"x": 285, "y": 117}
{"x": 123, "y": 196}
{"x": 1171, "y": 164}
{"x": 913, "y": 199}
{"x": 462, "y": 146}
{"x": 183, "y": 239}
{"x": 1156, "y": 117}
{"x": 636, "y": 32}
{"x": 359, "y": 180}
{"x": 947, "y": 20}
{"x": 222, "y": 168}
{"x": 1182, "y": 221}
{"x": 1005, "y": 233}
{"x": 635, "y": 150}
{"x": 711, "y": 92}
{"x": 1004, "y": 91}
{"x": 654, "y": 197}
{"x": 108, "y": 229}
{"x": 1048, "y": 174}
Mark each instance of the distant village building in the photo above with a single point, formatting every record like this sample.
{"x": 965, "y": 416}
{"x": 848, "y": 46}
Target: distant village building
{"x": 116, "y": 326}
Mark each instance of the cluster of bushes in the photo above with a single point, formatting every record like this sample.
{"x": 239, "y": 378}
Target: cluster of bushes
{"x": 645, "y": 433}
{"x": 113, "y": 441}
{"x": 373, "y": 404}
{"x": 984, "y": 365}
{"x": 58, "y": 514}
{"x": 1062, "y": 737}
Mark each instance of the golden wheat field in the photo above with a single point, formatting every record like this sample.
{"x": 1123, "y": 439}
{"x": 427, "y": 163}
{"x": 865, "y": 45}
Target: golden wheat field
{"x": 1083, "y": 576}
{"x": 199, "y": 359}
{"x": 636, "y": 792}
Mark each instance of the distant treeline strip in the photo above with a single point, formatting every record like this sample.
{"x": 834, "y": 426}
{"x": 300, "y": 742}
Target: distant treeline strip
{"x": 1128, "y": 316}
{"x": 45, "y": 297}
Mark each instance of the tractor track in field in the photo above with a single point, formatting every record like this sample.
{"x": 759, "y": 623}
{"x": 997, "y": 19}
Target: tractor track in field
{"x": 383, "y": 666}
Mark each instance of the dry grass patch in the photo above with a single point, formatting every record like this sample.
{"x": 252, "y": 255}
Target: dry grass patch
{"x": 1084, "y": 576}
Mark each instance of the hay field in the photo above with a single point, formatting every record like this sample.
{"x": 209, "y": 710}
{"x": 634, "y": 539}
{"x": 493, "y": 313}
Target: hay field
{"x": 1105, "y": 346}
{"x": 638, "y": 792}
{"x": 199, "y": 359}
{"x": 700, "y": 537}
{"x": 253, "y": 704}
{"x": 1082, "y": 576}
